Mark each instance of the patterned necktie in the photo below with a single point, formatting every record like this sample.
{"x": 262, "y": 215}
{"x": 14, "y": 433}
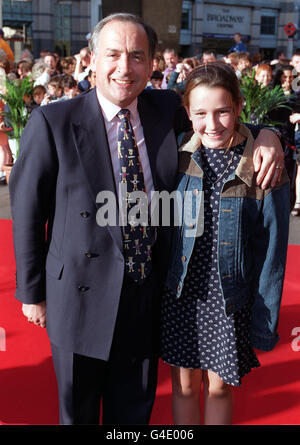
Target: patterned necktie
{"x": 137, "y": 237}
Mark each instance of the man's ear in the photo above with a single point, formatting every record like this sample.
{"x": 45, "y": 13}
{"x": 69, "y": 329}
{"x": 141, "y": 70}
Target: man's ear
{"x": 93, "y": 62}
{"x": 150, "y": 70}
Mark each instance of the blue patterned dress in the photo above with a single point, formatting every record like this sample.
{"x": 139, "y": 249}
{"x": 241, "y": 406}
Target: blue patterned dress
{"x": 196, "y": 333}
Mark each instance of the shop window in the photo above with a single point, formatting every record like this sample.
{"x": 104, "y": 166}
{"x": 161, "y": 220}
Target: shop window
{"x": 186, "y": 16}
{"x": 62, "y": 28}
{"x": 268, "y": 25}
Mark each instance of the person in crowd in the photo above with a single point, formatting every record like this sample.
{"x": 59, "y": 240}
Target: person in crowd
{"x": 256, "y": 59}
{"x": 88, "y": 82}
{"x": 24, "y": 69}
{"x": 58, "y": 63}
{"x": 209, "y": 56}
{"x": 239, "y": 46}
{"x": 156, "y": 80}
{"x": 27, "y": 55}
{"x": 178, "y": 77}
{"x": 244, "y": 64}
{"x": 38, "y": 94}
{"x": 83, "y": 64}
{"x": 263, "y": 74}
{"x": 279, "y": 61}
{"x": 102, "y": 298}
{"x": 29, "y": 103}
{"x": 159, "y": 62}
{"x": 171, "y": 59}
{"x": 55, "y": 90}
{"x": 43, "y": 53}
{"x": 41, "y": 73}
{"x": 282, "y": 117}
{"x": 68, "y": 65}
{"x": 295, "y": 119}
{"x": 295, "y": 61}
{"x": 70, "y": 87}
{"x": 51, "y": 62}
{"x": 92, "y": 78}
{"x": 215, "y": 309}
{"x": 284, "y": 77}
{"x": 4, "y": 46}
{"x": 296, "y": 209}
{"x": 5, "y": 152}
{"x": 232, "y": 59}
{"x": 5, "y": 65}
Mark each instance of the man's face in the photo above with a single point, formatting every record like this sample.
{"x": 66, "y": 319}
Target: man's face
{"x": 122, "y": 63}
{"x": 171, "y": 59}
{"x": 295, "y": 62}
{"x": 50, "y": 62}
{"x": 85, "y": 57}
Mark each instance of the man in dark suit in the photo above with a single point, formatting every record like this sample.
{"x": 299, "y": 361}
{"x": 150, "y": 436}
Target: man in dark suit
{"x": 103, "y": 325}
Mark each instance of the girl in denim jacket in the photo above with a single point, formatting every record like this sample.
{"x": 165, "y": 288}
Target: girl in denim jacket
{"x": 226, "y": 274}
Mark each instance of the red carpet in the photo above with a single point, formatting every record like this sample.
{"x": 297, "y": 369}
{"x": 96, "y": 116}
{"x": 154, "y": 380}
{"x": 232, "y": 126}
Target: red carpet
{"x": 270, "y": 395}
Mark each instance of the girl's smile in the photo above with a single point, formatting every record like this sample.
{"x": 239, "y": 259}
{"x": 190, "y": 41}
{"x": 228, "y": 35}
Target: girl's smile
{"x": 213, "y": 114}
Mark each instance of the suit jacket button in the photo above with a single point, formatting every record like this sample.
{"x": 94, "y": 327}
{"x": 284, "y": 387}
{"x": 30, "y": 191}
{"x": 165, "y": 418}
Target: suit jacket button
{"x": 88, "y": 254}
{"x": 82, "y": 288}
{"x": 84, "y": 214}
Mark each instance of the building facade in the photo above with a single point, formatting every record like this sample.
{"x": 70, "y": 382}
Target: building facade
{"x": 211, "y": 24}
{"x": 189, "y": 26}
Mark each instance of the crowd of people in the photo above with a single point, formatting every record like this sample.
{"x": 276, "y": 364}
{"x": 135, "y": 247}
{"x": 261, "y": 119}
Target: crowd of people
{"x": 60, "y": 78}
{"x": 116, "y": 297}
{"x": 171, "y": 72}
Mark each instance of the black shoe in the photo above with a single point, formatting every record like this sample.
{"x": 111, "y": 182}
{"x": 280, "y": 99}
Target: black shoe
{"x": 3, "y": 180}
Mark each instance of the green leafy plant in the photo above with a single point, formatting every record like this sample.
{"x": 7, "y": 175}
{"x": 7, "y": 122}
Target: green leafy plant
{"x": 259, "y": 101}
{"x": 16, "y": 115}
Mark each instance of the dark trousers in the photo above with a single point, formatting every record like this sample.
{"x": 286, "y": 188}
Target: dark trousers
{"x": 126, "y": 383}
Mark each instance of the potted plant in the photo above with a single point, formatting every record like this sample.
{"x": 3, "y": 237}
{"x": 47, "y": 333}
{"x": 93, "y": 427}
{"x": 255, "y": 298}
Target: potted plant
{"x": 15, "y": 112}
{"x": 259, "y": 101}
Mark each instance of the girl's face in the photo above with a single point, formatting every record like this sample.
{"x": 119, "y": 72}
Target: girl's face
{"x": 213, "y": 115}
{"x": 286, "y": 80}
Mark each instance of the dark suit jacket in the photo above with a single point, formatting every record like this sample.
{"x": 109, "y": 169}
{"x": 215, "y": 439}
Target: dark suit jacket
{"x": 78, "y": 266}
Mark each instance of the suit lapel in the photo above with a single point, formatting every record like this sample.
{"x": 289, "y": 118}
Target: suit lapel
{"x": 159, "y": 138}
{"x": 149, "y": 120}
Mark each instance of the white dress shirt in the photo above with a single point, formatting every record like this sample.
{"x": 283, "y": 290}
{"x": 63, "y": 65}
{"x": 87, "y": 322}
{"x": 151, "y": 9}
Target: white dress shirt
{"x": 112, "y": 122}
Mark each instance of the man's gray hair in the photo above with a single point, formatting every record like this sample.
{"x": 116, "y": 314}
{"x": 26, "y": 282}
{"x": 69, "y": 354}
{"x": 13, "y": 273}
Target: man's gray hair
{"x": 124, "y": 17}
